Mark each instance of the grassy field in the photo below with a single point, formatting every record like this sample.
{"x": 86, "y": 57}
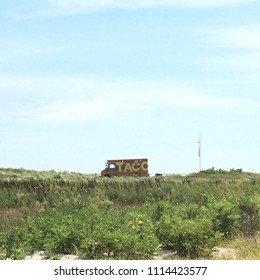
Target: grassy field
{"x": 129, "y": 218}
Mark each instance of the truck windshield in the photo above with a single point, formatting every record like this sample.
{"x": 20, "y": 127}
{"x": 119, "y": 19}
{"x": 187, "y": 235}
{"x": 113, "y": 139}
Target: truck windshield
{"x": 112, "y": 166}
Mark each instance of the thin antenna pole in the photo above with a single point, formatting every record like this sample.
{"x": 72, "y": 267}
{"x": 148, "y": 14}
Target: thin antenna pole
{"x": 199, "y": 153}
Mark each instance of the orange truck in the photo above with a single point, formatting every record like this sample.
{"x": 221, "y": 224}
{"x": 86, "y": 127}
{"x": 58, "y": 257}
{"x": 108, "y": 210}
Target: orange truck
{"x": 126, "y": 167}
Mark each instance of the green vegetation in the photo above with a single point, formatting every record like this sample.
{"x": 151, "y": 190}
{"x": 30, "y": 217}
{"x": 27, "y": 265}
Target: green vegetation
{"x": 127, "y": 218}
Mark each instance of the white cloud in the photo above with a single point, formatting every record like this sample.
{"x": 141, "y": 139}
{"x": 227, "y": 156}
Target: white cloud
{"x": 83, "y": 5}
{"x": 49, "y": 8}
{"x": 234, "y": 65}
{"x": 238, "y": 49}
{"x": 21, "y": 49}
{"x": 78, "y": 99}
{"x": 247, "y": 37}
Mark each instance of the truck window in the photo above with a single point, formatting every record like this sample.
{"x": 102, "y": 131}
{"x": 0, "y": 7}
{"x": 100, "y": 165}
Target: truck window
{"x": 112, "y": 166}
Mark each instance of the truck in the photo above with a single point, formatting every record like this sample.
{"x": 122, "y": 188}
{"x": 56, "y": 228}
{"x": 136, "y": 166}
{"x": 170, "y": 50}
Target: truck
{"x": 126, "y": 167}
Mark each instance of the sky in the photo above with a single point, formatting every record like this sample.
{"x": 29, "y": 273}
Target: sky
{"x": 82, "y": 82}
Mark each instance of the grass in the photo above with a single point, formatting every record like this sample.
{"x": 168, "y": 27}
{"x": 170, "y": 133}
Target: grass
{"x": 241, "y": 248}
{"x": 128, "y": 218}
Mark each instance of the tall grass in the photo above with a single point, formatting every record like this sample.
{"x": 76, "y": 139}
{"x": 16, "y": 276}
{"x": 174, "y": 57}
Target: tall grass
{"x": 63, "y": 212}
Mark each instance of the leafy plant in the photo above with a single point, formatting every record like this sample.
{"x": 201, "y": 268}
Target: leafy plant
{"x": 250, "y": 214}
{"x": 189, "y": 231}
{"x": 226, "y": 218}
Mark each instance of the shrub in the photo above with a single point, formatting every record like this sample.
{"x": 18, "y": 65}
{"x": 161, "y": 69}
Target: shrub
{"x": 250, "y": 215}
{"x": 188, "y": 231}
{"x": 126, "y": 235}
{"x": 12, "y": 243}
{"x": 226, "y": 218}
{"x": 56, "y": 233}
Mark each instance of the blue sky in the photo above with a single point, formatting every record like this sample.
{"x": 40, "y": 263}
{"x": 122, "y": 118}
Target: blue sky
{"x": 86, "y": 81}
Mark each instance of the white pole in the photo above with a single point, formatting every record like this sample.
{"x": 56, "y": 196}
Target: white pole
{"x": 199, "y": 153}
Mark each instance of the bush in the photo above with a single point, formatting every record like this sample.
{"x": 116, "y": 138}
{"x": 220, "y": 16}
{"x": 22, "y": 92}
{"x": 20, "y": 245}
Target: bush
{"x": 56, "y": 232}
{"x": 250, "y": 215}
{"x": 11, "y": 243}
{"x": 189, "y": 231}
{"x": 126, "y": 235}
{"x": 93, "y": 233}
{"x": 226, "y": 218}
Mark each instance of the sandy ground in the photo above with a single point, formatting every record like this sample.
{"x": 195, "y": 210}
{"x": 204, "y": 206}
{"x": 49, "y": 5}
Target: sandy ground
{"x": 41, "y": 256}
{"x": 225, "y": 253}
{"x": 218, "y": 253}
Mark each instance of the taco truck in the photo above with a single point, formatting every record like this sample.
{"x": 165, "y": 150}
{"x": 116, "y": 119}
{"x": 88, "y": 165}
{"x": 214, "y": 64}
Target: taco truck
{"x": 126, "y": 167}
